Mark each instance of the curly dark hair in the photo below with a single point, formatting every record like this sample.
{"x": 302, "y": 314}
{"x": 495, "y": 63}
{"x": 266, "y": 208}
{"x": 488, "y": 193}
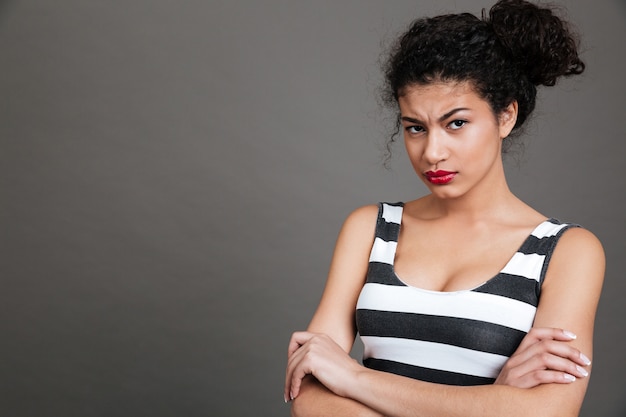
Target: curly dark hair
{"x": 504, "y": 55}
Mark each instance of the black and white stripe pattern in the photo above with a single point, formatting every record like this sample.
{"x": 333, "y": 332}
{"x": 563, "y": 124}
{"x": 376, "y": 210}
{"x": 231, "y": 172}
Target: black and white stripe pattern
{"x": 455, "y": 338}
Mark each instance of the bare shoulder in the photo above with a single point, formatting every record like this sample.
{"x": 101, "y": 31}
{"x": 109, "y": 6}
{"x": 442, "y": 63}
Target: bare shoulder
{"x": 361, "y": 222}
{"x": 364, "y": 213}
{"x": 354, "y": 244}
{"x": 578, "y": 241}
{"x": 578, "y": 255}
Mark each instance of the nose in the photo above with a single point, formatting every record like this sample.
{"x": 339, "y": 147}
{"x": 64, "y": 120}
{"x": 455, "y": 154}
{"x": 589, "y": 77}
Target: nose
{"x": 436, "y": 149}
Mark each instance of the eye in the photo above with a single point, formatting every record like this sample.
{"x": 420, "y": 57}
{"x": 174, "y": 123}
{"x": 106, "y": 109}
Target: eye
{"x": 413, "y": 130}
{"x": 457, "y": 124}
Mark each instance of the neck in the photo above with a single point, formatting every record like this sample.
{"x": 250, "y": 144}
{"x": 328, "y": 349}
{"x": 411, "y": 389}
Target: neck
{"x": 491, "y": 198}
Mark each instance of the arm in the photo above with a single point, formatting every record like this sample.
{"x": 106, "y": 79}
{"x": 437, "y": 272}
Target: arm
{"x": 569, "y": 299}
{"x": 335, "y": 317}
{"x": 317, "y": 400}
{"x": 335, "y": 314}
{"x": 544, "y": 357}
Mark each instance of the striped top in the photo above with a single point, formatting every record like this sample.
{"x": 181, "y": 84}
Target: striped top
{"x": 458, "y": 337}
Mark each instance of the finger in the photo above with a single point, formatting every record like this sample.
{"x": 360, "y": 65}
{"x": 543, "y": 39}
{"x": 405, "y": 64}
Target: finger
{"x": 544, "y": 377}
{"x": 547, "y": 345}
{"x": 542, "y": 369}
{"x": 546, "y": 354}
{"x": 296, "y": 381}
{"x": 550, "y": 362}
{"x": 562, "y": 350}
{"x": 297, "y": 368}
{"x": 297, "y": 340}
{"x": 287, "y": 388}
{"x": 298, "y": 364}
{"x": 537, "y": 334}
{"x": 294, "y": 358}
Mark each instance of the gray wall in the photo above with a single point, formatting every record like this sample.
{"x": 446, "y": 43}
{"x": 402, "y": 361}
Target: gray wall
{"x": 173, "y": 175}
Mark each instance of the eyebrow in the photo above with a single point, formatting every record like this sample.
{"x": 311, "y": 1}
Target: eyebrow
{"x": 441, "y": 119}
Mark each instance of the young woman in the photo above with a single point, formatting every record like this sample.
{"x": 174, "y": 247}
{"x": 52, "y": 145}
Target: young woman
{"x": 468, "y": 301}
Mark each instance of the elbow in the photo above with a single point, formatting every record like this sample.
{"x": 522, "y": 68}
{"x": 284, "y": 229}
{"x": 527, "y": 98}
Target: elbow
{"x": 550, "y": 403}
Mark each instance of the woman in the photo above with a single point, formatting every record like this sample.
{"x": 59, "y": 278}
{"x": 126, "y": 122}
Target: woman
{"x": 468, "y": 301}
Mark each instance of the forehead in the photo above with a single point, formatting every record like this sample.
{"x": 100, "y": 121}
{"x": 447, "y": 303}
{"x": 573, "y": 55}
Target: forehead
{"x": 440, "y": 97}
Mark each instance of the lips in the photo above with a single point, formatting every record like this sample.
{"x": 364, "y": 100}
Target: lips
{"x": 440, "y": 177}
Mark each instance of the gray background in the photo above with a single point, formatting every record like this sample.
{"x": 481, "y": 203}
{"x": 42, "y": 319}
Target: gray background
{"x": 173, "y": 175}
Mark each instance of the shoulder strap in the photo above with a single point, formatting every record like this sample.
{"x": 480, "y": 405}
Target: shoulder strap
{"x": 388, "y": 223}
{"x": 548, "y": 237}
{"x": 383, "y": 251}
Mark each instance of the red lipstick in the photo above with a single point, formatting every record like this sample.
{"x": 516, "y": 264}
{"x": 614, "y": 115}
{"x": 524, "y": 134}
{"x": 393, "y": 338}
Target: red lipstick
{"x": 440, "y": 177}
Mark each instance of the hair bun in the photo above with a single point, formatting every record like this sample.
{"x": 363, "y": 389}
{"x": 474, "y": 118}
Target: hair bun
{"x": 539, "y": 41}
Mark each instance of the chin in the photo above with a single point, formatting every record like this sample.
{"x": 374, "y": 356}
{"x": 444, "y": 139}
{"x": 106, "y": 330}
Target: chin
{"x": 445, "y": 192}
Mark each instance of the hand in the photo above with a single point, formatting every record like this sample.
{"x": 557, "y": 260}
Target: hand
{"x": 320, "y": 356}
{"x": 544, "y": 357}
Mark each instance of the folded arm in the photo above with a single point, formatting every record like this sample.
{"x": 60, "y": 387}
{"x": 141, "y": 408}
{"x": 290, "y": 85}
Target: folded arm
{"x": 569, "y": 298}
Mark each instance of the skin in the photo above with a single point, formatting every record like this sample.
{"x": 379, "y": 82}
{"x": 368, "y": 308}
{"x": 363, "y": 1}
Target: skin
{"x": 451, "y": 240}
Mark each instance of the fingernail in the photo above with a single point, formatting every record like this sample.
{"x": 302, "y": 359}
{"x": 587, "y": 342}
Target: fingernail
{"x": 585, "y": 359}
{"x": 291, "y": 395}
{"x": 582, "y": 370}
{"x": 569, "y": 378}
{"x": 285, "y": 398}
{"x": 569, "y": 334}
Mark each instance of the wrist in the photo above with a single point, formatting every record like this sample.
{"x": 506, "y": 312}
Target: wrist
{"x": 358, "y": 385}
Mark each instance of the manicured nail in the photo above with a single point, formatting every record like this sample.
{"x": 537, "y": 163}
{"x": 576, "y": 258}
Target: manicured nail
{"x": 569, "y": 378}
{"x": 285, "y": 397}
{"x": 569, "y": 334}
{"x": 585, "y": 359}
{"x": 291, "y": 395}
{"x": 582, "y": 370}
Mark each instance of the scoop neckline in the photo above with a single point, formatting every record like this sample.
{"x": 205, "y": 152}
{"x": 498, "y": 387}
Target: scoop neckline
{"x": 395, "y": 274}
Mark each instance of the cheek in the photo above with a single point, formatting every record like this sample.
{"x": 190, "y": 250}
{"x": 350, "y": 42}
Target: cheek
{"x": 413, "y": 154}
{"x": 486, "y": 141}
{"x": 413, "y": 150}
{"x": 487, "y": 156}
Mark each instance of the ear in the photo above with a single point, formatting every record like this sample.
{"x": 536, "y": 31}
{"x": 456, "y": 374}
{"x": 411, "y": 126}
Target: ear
{"x": 507, "y": 119}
